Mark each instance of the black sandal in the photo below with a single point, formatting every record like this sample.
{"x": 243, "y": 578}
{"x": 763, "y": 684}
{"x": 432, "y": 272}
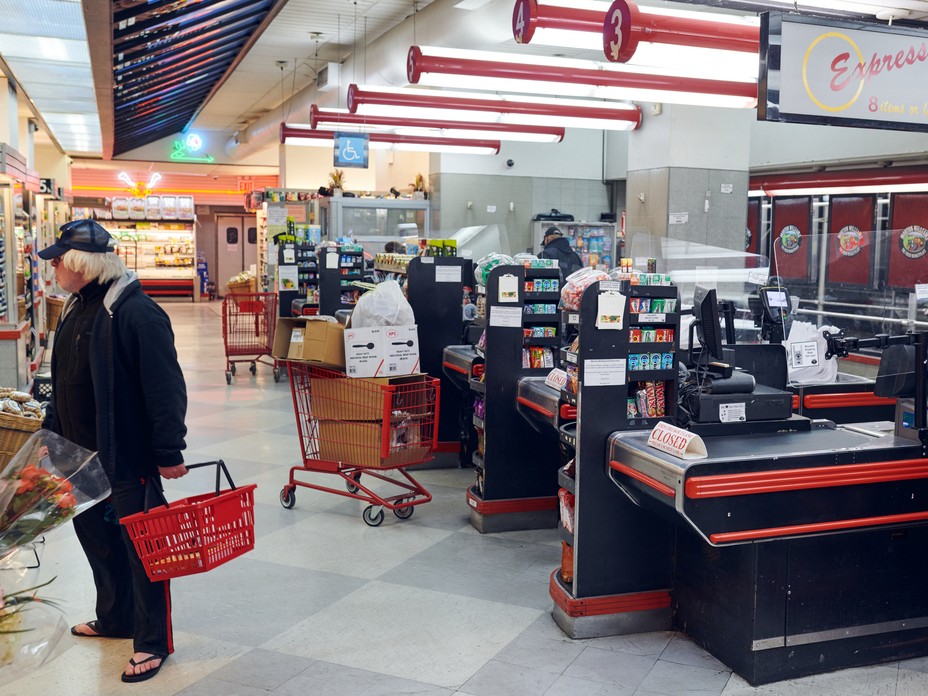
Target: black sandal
{"x": 97, "y": 633}
{"x": 130, "y": 678}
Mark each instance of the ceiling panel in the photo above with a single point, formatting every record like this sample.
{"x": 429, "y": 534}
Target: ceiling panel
{"x": 168, "y": 57}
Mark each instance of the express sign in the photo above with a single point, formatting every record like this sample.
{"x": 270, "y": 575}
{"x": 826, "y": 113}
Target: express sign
{"x": 843, "y": 73}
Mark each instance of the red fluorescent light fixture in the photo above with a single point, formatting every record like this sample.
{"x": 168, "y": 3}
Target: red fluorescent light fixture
{"x": 331, "y": 118}
{"x": 888, "y": 180}
{"x": 540, "y": 75}
{"x": 512, "y": 109}
{"x": 303, "y": 134}
{"x": 626, "y": 25}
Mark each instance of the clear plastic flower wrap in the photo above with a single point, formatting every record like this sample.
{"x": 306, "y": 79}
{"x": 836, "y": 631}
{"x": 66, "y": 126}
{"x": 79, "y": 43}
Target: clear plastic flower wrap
{"x": 30, "y": 628}
{"x": 488, "y": 263}
{"x": 45, "y": 484}
{"x": 576, "y": 283}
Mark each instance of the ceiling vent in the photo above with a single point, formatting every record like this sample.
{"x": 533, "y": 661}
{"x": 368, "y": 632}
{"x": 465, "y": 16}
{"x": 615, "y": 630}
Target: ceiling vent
{"x": 327, "y": 78}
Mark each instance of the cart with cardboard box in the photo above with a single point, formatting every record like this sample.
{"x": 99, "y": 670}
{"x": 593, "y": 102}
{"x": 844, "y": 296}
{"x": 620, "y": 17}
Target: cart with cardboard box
{"x": 248, "y": 324}
{"x": 361, "y": 430}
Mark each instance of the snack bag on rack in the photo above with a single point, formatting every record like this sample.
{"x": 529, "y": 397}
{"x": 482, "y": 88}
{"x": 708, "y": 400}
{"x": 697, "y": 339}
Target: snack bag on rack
{"x": 576, "y": 283}
{"x": 385, "y": 305}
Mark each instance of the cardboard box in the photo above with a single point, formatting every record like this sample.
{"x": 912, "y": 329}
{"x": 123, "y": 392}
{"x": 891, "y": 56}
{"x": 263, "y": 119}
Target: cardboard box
{"x": 382, "y": 351}
{"x": 310, "y": 340}
{"x": 366, "y": 399}
{"x": 360, "y": 444}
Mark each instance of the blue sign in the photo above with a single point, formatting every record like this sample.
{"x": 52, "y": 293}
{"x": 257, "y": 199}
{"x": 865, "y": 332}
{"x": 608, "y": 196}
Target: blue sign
{"x": 352, "y": 150}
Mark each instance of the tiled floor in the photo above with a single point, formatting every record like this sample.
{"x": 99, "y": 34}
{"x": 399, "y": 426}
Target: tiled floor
{"x": 328, "y": 606}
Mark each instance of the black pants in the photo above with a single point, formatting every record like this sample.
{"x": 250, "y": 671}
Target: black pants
{"x": 128, "y": 603}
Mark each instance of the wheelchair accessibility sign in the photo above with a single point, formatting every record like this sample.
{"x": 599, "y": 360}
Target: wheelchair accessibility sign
{"x": 351, "y": 150}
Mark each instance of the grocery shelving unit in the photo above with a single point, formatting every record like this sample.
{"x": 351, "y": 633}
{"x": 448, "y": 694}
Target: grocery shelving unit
{"x": 601, "y": 593}
{"x": 338, "y": 269}
{"x": 516, "y": 481}
{"x": 599, "y": 244}
{"x": 435, "y": 290}
{"x": 297, "y": 276}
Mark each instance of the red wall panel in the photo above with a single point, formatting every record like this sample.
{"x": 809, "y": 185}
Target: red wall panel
{"x": 851, "y": 239}
{"x": 792, "y": 239}
{"x": 908, "y": 243}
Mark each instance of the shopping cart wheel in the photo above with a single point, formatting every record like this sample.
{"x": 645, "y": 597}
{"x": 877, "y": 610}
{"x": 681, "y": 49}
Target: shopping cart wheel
{"x": 288, "y": 497}
{"x": 276, "y": 374}
{"x": 228, "y": 377}
{"x": 352, "y": 487}
{"x": 254, "y": 369}
{"x": 370, "y": 518}
{"x": 404, "y": 513}
{"x": 232, "y": 367}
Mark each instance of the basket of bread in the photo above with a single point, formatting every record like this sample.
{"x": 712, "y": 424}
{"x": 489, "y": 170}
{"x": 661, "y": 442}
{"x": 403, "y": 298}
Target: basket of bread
{"x": 20, "y": 416}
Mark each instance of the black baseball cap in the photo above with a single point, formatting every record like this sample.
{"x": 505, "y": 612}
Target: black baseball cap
{"x": 551, "y": 231}
{"x": 83, "y": 235}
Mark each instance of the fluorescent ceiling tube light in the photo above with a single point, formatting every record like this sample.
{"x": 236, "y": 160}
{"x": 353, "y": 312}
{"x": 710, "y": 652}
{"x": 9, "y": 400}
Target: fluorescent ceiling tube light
{"x": 332, "y": 118}
{"x": 506, "y": 72}
{"x": 715, "y": 44}
{"x": 626, "y": 25}
{"x": 476, "y": 107}
{"x": 299, "y": 134}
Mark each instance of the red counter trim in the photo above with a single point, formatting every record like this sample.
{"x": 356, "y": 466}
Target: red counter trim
{"x": 845, "y": 400}
{"x": 535, "y": 407}
{"x": 608, "y": 604}
{"x": 454, "y": 368}
{"x": 510, "y": 505}
{"x": 761, "y": 482}
{"x": 14, "y": 334}
{"x": 646, "y": 480}
{"x": 816, "y": 527}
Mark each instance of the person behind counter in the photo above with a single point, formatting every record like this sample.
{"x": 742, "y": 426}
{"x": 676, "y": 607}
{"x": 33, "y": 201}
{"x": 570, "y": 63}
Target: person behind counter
{"x": 556, "y": 247}
{"x": 117, "y": 389}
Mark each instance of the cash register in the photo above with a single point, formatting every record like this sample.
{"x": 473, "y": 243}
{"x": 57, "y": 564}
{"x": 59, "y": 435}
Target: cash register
{"x": 718, "y": 392}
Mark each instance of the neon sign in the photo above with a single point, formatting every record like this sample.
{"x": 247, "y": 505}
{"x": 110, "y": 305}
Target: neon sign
{"x": 184, "y": 150}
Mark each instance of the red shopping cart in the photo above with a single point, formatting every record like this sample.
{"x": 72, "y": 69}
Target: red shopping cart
{"x": 248, "y": 321}
{"x": 349, "y": 427}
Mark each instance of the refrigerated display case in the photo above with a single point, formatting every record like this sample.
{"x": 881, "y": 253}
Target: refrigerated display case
{"x": 163, "y": 253}
{"x": 372, "y": 222}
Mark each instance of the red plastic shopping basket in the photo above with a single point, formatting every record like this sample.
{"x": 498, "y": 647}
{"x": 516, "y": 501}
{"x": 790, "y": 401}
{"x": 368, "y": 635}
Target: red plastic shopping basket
{"x": 195, "y": 534}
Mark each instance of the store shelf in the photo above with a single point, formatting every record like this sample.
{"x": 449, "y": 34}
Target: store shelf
{"x": 566, "y": 537}
{"x": 654, "y": 318}
{"x": 389, "y": 268}
{"x": 479, "y": 423}
{"x": 479, "y": 387}
{"x": 650, "y": 375}
{"x": 566, "y": 482}
{"x": 532, "y": 318}
{"x": 541, "y": 341}
{"x": 568, "y": 398}
{"x": 568, "y": 357}
{"x": 477, "y": 460}
{"x": 542, "y": 296}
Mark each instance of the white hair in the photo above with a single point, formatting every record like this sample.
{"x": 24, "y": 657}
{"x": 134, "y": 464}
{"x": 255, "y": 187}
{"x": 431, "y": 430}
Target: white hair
{"x": 94, "y": 265}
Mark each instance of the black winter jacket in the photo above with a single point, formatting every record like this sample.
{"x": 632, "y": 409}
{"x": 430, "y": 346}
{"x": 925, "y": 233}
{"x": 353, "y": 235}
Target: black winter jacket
{"x": 140, "y": 393}
{"x": 567, "y": 259}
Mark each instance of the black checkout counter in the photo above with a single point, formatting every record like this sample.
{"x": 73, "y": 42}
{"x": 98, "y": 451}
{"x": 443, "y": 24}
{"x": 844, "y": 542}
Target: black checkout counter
{"x": 795, "y": 553}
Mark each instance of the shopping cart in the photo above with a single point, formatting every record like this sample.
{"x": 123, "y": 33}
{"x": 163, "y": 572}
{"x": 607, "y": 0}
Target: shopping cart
{"x": 248, "y": 321}
{"x": 349, "y": 427}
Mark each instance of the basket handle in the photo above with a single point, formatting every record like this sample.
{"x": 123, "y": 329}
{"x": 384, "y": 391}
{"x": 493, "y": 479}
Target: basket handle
{"x": 153, "y": 483}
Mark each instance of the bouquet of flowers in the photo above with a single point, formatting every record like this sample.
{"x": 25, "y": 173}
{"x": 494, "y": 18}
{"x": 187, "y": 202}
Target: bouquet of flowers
{"x": 46, "y": 483}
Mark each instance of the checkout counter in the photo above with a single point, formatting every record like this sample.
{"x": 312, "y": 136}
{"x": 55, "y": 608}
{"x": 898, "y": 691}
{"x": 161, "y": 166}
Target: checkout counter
{"x": 786, "y": 551}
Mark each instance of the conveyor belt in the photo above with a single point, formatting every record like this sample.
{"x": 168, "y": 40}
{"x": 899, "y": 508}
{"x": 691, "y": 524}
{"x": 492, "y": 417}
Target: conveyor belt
{"x": 538, "y": 402}
{"x": 771, "y": 486}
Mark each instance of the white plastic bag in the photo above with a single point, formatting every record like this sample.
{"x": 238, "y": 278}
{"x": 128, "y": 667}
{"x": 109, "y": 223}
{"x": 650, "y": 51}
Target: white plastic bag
{"x": 383, "y": 306}
{"x": 805, "y": 351}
